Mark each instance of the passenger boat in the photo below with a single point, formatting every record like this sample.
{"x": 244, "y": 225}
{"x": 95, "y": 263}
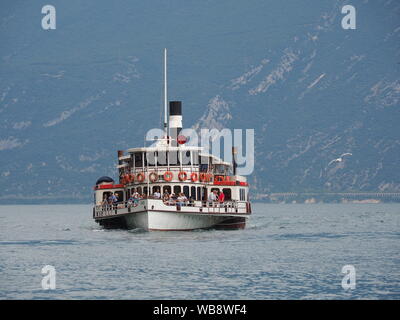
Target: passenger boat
{"x": 148, "y": 176}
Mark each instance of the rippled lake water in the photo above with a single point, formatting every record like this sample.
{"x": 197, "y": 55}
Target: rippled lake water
{"x": 286, "y": 252}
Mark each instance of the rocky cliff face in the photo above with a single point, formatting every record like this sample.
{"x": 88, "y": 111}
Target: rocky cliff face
{"x": 69, "y": 98}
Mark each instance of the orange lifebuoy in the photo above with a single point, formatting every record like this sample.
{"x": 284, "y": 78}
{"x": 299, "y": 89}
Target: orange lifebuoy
{"x": 194, "y": 177}
{"x": 182, "y": 176}
{"x": 140, "y": 177}
{"x": 209, "y": 177}
{"x": 219, "y": 179}
{"x": 127, "y": 178}
{"x": 168, "y": 176}
{"x": 132, "y": 176}
{"x": 153, "y": 176}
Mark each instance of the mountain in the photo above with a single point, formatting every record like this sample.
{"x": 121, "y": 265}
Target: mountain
{"x": 311, "y": 90}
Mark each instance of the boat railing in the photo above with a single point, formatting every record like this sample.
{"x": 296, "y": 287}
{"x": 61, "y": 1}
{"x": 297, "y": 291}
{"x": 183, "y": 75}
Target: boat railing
{"x": 230, "y": 206}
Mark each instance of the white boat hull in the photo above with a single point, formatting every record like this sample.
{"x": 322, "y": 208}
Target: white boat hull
{"x": 168, "y": 218}
{"x": 171, "y": 221}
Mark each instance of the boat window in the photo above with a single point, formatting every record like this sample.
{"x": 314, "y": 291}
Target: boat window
{"x": 203, "y": 160}
{"x": 177, "y": 189}
{"x": 138, "y": 159}
{"x": 228, "y": 194}
{"x": 185, "y": 157}
{"x": 203, "y": 168}
{"x": 139, "y": 190}
{"x": 193, "y": 192}
{"x": 212, "y": 189}
{"x": 242, "y": 194}
{"x": 173, "y": 158}
{"x": 120, "y": 195}
{"x": 195, "y": 156}
{"x": 150, "y": 159}
{"x": 161, "y": 158}
{"x": 204, "y": 194}
{"x": 167, "y": 189}
{"x": 156, "y": 188}
{"x": 198, "y": 193}
{"x": 145, "y": 190}
{"x": 106, "y": 195}
{"x": 186, "y": 191}
{"x": 219, "y": 169}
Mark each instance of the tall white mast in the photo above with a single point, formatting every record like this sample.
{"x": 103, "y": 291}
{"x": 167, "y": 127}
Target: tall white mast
{"x": 165, "y": 94}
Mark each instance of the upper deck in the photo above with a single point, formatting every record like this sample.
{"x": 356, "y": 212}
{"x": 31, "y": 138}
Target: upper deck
{"x": 174, "y": 164}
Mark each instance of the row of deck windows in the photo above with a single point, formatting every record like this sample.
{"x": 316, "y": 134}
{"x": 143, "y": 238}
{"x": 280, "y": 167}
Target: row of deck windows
{"x": 196, "y": 193}
{"x": 159, "y": 158}
{"x": 191, "y": 192}
{"x": 164, "y": 158}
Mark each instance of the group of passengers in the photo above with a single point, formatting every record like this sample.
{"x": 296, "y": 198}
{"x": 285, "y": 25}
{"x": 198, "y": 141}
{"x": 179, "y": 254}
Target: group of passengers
{"x": 111, "y": 199}
{"x": 216, "y": 196}
{"x": 179, "y": 199}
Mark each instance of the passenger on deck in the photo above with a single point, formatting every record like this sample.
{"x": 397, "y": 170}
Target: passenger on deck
{"x": 221, "y": 197}
{"x": 191, "y": 202}
{"x": 181, "y": 200}
{"x": 157, "y": 195}
{"x": 213, "y": 197}
{"x": 105, "y": 201}
{"x": 131, "y": 201}
{"x": 172, "y": 199}
{"x": 135, "y": 194}
{"x": 165, "y": 197}
{"x": 115, "y": 199}
{"x": 111, "y": 199}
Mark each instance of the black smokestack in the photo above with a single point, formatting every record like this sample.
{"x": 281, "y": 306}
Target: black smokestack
{"x": 175, "y": 108}
{"x": 175, "y": 120}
